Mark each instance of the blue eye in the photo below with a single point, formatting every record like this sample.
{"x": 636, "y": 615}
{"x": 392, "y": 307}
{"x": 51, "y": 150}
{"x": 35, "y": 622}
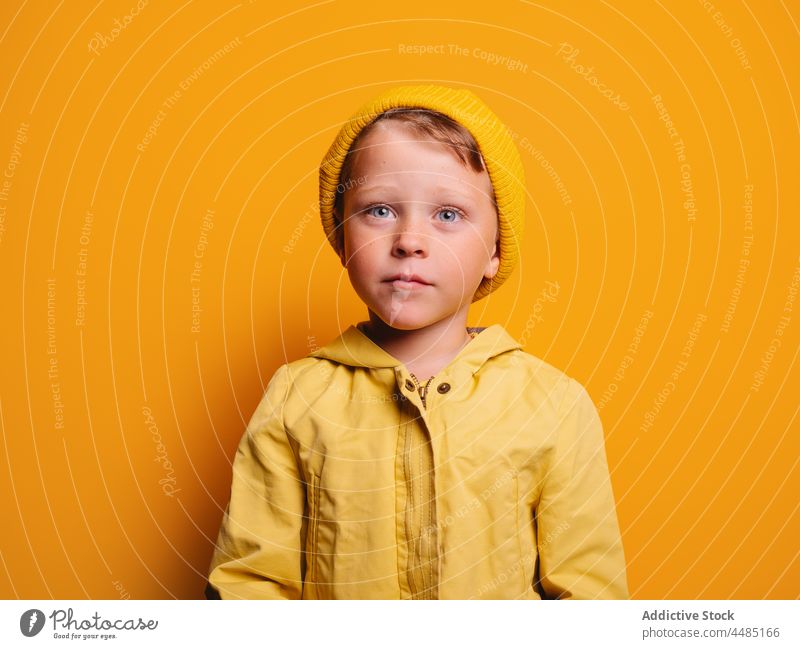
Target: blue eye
{"x": 380, "y": 211}
{"x": 452, "y": 215}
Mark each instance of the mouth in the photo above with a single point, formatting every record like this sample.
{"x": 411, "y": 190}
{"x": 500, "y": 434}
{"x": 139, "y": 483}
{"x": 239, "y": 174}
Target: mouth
{"x": 407, "y": 286}
{"x": 407, "y": 281}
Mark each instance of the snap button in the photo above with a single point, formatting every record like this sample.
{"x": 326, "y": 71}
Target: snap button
{"x": 443, "y": 387}
{"x": 409, "y": 385}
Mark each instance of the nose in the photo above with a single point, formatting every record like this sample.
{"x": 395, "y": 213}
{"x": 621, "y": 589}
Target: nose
{"x": 410, "y": 239}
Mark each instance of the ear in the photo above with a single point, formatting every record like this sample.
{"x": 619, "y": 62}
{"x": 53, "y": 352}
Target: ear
{"x": 493, "y": 265}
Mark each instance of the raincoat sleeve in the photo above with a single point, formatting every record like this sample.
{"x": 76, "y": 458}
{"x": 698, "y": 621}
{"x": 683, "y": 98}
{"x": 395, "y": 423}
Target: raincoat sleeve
{"x": 258, "y": 554}
{"x": 580, "y": 548}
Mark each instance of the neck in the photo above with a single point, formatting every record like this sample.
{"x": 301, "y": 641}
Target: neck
{"x": 431, "y": 347}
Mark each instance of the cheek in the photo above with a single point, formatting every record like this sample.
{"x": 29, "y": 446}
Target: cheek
{"x": 476, "y": 247}
{"x": 477, "y": 251}
{"x": 364, "y": 253}
{"x": 361, "y": 246}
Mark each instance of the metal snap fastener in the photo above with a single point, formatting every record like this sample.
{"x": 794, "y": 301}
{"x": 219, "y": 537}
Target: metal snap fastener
{"x": 409, "y": 385}
{"x": 443, "y": 387}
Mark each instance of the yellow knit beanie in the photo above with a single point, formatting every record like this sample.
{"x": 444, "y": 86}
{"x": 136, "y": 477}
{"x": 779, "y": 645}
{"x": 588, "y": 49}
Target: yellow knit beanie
{"x": 496, "y": 146}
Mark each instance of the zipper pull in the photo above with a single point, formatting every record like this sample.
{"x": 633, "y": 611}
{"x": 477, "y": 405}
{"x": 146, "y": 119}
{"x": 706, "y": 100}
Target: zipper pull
{"x": 423, "y": 391}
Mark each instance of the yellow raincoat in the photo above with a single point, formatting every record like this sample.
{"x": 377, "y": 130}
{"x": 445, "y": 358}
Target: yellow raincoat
{"x": 352, "y": 481}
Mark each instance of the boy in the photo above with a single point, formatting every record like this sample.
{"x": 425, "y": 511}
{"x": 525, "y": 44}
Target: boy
{"x": 414, "y": 457}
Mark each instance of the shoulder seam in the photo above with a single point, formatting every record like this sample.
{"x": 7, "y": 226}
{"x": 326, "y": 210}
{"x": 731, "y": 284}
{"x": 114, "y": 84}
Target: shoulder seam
{"x": 571, "y": 385}
{"x": 285, "y": 377}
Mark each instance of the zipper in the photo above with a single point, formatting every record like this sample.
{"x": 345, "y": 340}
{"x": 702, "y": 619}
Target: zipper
{"x": 422, "y": 389}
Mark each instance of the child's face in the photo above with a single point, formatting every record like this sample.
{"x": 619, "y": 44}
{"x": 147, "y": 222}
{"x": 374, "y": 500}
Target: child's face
{"x": 416, "y": 209}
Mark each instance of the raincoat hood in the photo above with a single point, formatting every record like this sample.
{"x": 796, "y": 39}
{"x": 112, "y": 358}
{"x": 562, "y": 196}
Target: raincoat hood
{"x": 354, "y": 348}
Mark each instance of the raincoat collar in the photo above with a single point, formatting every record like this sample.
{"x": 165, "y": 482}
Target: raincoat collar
{"x": 353, "y": 347}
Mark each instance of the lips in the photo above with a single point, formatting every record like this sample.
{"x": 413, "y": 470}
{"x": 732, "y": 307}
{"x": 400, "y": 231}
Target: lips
{"x": 407, "y": 287}
{"x": 407, "y": 280}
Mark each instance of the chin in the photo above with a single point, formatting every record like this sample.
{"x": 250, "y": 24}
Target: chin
{"x": 407, "y": 317}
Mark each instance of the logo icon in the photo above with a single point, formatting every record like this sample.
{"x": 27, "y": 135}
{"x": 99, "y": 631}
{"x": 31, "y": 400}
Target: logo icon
{"x": 31, "y": 622}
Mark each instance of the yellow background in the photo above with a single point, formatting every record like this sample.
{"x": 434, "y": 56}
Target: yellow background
{"x": 673, "y": 257}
